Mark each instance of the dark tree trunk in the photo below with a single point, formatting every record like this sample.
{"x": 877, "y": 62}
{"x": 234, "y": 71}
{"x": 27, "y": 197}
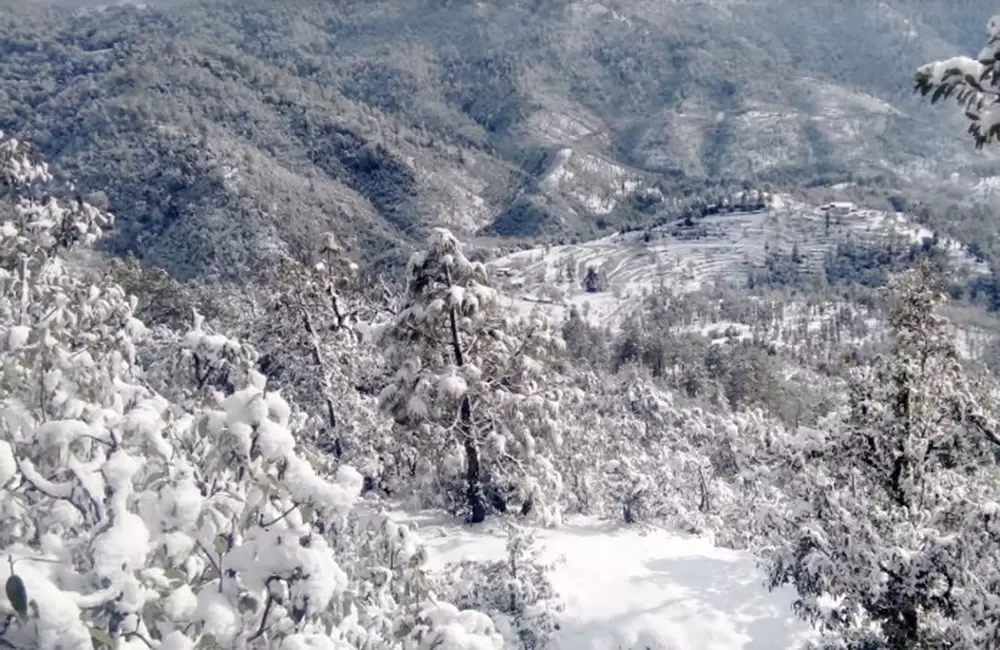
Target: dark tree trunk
{"x": 474, "y": 498}
{"x": 331, "y": 411}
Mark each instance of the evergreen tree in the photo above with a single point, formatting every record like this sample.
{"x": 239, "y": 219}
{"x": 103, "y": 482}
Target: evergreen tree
{"x": 593, "y": 282}
{"x": 892, "y": 541}
{"x": 796, "y": 254}
{"x": 472, "y": 392}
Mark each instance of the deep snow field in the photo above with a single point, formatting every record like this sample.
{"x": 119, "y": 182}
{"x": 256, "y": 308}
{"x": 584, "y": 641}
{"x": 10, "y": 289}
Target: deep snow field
{"x": 625, "y": 588}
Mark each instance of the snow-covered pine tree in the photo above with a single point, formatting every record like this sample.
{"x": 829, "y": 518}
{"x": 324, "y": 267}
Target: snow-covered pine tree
{"x": 974, "y": 83}
{"x": 892, "y": 536}
{"x": 473, "y": 392}
{"x": 131, "y": 522}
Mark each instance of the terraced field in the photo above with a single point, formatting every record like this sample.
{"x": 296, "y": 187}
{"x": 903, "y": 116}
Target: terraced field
{"x": 725, "y": 249}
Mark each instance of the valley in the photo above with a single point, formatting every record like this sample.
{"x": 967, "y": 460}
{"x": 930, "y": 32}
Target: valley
{"x": 231, "y": 132}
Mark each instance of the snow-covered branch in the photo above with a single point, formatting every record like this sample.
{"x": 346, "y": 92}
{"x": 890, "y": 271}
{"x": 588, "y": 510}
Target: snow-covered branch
{"x": 974, "y": 84}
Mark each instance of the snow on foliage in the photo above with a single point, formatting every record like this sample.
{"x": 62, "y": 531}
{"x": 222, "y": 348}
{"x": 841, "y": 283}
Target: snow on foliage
{"x": 889, "y": 530}
{"x": 973, "y": 82}
{"x": 135, "y": 521}
{"x": 310, "y": 336}
{"x": 476, "y": 407}
{"x": 633, "y": 455}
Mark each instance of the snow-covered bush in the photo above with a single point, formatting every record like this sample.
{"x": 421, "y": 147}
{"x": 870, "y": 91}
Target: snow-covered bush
{"x": 515, "y": 592}
{"x": 301, "y": 323}
{"x": 626, "y": 455}
{"x": 393, "y": 596}
{"x": 134, "y": 521}
{"x": 473, "y": 393}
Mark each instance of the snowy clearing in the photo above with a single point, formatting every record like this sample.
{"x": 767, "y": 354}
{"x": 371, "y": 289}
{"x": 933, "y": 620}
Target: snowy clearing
{"x": 630, "y": 588}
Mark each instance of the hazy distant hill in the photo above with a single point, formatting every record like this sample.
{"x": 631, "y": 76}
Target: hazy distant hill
{"x": 226, "y": 131}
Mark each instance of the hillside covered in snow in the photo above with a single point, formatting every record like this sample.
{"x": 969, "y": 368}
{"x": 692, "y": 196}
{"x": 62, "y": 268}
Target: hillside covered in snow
{"x": 222, "y": 140}
{"x": 763, "y": 414}
{"x": 727, "y": 249}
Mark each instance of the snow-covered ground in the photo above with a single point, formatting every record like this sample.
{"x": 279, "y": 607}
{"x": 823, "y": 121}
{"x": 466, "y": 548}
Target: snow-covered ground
{"x": 732, "y": 245}
{"x": 630, "y": 589}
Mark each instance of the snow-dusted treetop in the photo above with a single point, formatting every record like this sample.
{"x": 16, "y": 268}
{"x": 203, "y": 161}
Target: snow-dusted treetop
{"x": 975, "y": 84}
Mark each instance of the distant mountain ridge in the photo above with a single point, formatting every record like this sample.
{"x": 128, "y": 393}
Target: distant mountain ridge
{"x": 226, "y": 133}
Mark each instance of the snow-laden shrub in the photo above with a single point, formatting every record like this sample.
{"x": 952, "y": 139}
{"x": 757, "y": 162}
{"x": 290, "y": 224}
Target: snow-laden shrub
{"x": 313, "y": 347}
{"x": 631, "y": 454}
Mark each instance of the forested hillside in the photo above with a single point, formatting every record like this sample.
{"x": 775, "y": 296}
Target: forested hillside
{"x": 223, "y": 132}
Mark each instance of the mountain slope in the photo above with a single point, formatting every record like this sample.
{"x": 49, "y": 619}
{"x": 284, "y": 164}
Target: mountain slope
{"x": 226, "y": 132}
